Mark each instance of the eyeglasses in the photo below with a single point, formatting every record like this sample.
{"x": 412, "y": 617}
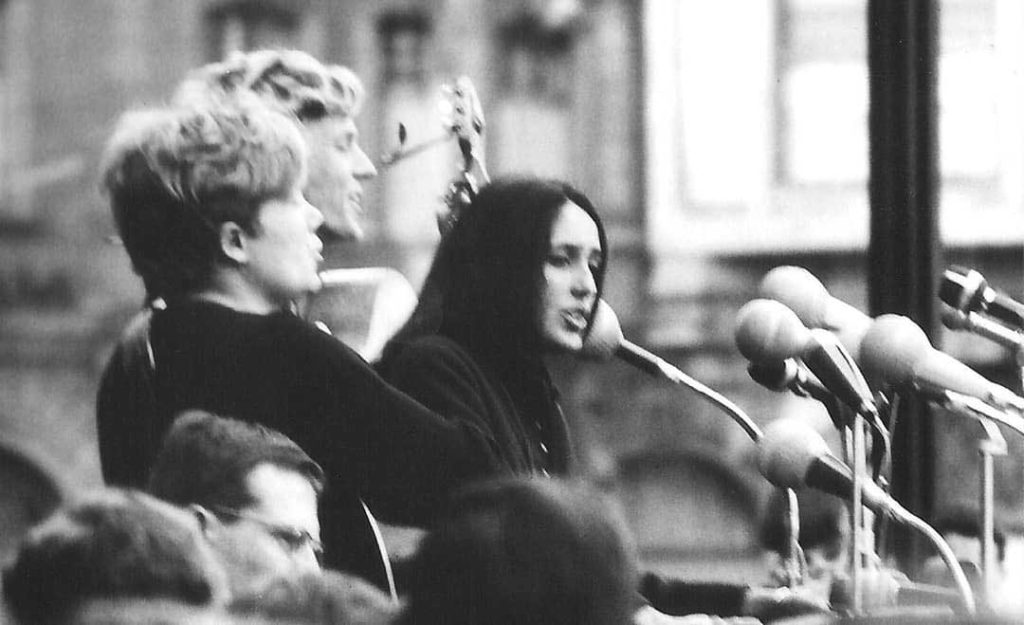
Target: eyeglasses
{"x": 293, "y": 539}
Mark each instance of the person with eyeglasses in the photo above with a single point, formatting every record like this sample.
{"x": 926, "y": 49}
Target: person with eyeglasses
{"x": 293, "y": 539}
{"x": 254, "y": 490}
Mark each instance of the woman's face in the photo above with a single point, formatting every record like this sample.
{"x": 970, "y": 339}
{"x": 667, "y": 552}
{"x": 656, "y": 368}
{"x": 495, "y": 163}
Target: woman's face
{"x": 568, "y": 279}
{"x": 284, "y": 254}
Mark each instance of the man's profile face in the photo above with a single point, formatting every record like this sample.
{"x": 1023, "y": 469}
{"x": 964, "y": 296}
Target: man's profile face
{"x": 337, "y": 169}
{"x": 286, "y": 499}
{"x": 278, "y": 535}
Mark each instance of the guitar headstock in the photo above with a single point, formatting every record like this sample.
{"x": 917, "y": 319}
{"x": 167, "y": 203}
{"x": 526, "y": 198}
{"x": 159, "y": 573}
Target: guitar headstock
{"x": 464, "y": 116}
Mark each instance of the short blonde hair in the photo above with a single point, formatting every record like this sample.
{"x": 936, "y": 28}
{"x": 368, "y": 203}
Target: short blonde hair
{"x": 174, "y": 174}
{"x": 290, "y": 79}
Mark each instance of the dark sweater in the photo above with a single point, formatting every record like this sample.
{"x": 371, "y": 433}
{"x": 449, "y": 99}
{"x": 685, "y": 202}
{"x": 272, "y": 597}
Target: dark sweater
{"x": 516, "y": 405}
{"x": 372, "y": 441}
{"x": 448, "y": 379}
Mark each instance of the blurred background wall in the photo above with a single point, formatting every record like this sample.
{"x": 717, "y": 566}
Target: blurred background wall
{"x": 719, "y": 139}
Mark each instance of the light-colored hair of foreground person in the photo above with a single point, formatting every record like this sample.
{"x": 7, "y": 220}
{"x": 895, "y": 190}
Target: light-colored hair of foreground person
{"x": 330, "y": 598}
{"x": 293, "y": 80}
{"x": 173, "y": 175}
{"x": 525, "y": 550}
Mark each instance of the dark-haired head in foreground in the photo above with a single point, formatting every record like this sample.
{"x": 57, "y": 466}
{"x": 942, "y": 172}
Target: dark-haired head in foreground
{"x": 112, "y": 544}
{"x": 525, "y": 550}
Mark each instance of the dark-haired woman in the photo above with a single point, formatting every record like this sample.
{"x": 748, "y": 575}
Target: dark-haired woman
{"x": 516, "y": 279}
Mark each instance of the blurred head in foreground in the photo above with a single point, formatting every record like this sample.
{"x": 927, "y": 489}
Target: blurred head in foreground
{"x": 525, "y": 550}
{"x": 112, "y": 544}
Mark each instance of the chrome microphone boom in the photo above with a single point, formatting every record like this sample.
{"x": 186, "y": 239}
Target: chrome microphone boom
{"x": 606, "y": 340}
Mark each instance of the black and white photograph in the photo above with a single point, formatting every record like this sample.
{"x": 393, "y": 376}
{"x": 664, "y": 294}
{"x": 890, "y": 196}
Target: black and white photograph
{"x": 511, "y": 312}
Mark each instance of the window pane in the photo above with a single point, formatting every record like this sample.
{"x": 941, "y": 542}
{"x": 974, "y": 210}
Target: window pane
{"x": 826, "y": 107}
{"x": 249, "y": 27}
{"x": 824, "y": 97}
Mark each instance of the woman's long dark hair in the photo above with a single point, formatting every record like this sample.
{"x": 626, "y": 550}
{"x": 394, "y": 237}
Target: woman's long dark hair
{"x": 483, "y": 287}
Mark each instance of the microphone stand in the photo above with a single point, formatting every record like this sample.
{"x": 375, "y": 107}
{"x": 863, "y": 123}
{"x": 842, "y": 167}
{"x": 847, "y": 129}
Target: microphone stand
{"x": 657, "y": 366}
{"x": 947, "y": 555}
{"x": 796, "y": 563}
{"x": 858, "y": 537}
{"x": 992, "y": 445}
{"x": 647, "y": 361}
{"x": 862, "y": 537}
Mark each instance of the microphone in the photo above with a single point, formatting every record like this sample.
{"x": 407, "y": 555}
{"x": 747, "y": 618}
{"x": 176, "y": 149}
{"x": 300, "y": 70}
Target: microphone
{"x": 605, "y": 340}
{"x": 806, "y": 296}
{"x": 898, "y": 352}
{"x": 967, "y": 291}
{"x": 983, "y": 326}
{"x": 766, "y": 331}
{"x": 791, "y": 454}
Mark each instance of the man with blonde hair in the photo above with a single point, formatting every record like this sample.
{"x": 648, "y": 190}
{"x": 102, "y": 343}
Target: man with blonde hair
{"x": 208, "y": 200}
{"x": 325, "y": 100}
{"x": 362, "y": 306}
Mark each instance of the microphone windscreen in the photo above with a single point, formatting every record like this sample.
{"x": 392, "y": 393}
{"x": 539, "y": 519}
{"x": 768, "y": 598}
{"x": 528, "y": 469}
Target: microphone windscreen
{"x": 942, "y": 371}
{"x": 787, "y": 450}
{"x": 892, "y": 348}
{"x": 605, "y": 334}
{"x": 806, "y": 296}
{"x": 767, "y": 330}
{"x": 798, "y": 289}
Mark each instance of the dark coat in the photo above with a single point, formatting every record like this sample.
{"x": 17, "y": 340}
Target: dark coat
{"x": 444, "y": 375}
{"x": 515, "y": 404}
{"x": 372, "y": 441}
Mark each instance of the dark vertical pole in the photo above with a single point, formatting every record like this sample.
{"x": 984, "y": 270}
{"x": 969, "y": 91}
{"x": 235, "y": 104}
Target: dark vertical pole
{"x": 904, "y": 247}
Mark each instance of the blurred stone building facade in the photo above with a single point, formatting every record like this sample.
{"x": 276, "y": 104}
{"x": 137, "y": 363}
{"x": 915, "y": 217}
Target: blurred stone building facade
{"x": 567, "y": 89}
